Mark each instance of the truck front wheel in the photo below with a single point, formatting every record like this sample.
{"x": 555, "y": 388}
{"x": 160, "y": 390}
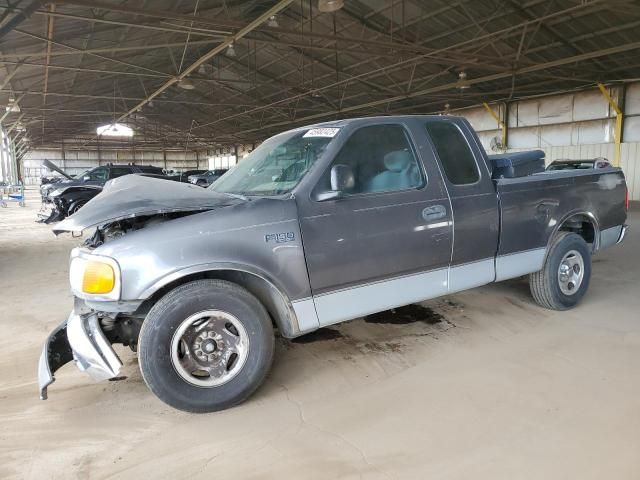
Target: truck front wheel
{"x": 564, "y": 278}
{"x": 205, "y": 346}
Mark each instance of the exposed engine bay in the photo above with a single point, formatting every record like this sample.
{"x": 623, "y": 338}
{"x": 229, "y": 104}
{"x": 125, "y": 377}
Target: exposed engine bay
{"x": 123, "y": 328}
{"x": 111, "y": 231}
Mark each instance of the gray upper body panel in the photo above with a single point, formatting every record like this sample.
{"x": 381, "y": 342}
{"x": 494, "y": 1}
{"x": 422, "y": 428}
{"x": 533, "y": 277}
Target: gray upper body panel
{"x": 474, "y": 205}
{"x": 369, "y": 237}
{"x": 237, "y": 236}
{"x": 347, "y": 241}
{"x": 534, "y": 207}
{"x": 135, "y": 195}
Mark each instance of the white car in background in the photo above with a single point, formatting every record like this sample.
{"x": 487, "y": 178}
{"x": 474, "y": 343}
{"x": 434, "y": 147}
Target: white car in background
{"x": 566, "y": 164}
{"x": 207, "y": 178}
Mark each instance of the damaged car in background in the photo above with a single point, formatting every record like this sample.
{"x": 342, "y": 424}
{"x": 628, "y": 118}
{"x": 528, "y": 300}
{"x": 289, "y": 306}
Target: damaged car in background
{"x": 66, "y": 197}
{"x": 197, "y": 280}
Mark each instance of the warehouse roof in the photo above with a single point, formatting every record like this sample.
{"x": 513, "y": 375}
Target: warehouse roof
{"x": 202, "y": 73}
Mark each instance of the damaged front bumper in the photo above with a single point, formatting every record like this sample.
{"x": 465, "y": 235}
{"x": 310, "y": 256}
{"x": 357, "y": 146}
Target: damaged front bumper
{"x": 80, "y": 338}
{"x": 50, "y": 215}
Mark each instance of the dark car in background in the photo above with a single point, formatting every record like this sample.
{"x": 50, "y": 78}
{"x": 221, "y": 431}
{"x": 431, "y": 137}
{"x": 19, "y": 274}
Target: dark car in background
{"x": 95, "y": 177}
{"x": 66, "y": 197}
{"x": 207, "y": 178}
{"x": 51, "y": 179}
{"x": 599, "y": 162}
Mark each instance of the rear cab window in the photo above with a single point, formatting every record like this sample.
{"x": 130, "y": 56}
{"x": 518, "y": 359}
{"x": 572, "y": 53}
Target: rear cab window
{"x": 115, "y": 172}
{"x": 455, "y": 154}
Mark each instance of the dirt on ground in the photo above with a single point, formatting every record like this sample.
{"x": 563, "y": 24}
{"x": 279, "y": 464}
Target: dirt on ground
{"x": 483, "y": 384}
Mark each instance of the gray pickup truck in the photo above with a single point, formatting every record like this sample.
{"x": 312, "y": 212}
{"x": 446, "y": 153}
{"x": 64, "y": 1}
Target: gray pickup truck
{"x": 319, "y": 225}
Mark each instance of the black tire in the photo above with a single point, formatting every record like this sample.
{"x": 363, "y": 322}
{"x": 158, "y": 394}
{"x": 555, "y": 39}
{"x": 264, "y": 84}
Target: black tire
{"x": 156, "y": 334}
{"x": 545, "y": 284}
{"x": 201, "y": 183}
{"x": 75, "y": 207}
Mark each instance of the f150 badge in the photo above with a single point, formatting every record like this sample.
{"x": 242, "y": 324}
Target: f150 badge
{"x": 282, "y": 237}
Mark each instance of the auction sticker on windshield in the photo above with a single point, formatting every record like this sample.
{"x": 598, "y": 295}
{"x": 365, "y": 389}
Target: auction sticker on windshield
{"x": 321, "y": 132}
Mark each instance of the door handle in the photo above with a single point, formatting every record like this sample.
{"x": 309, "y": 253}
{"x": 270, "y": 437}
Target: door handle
{"x": 434, "y": 213}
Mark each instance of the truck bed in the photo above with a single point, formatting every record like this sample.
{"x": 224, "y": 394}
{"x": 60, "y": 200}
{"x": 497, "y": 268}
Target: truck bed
{"x": 548, "y": 198}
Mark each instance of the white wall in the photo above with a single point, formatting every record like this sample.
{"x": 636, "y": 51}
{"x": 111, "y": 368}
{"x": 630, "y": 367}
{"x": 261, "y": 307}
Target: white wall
{"x": 77, "y": 161}
{"x": 229, "y": 156}
{"x": 222, "y": 161}
{"x": 574, "y": 125}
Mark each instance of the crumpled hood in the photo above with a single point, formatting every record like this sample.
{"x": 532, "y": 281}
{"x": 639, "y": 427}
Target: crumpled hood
{"x": 52, "y": 166}
{"x": 134, "y": 195}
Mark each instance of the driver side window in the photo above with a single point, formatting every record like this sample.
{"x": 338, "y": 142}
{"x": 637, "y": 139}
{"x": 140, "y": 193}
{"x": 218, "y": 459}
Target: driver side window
{"x": 381, "y": 158}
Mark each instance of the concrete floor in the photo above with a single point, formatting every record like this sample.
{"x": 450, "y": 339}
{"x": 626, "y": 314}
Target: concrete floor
{"x": 499, "y": 389}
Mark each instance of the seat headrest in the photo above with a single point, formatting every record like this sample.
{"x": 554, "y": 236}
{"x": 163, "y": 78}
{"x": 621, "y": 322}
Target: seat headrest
{"x": 397, "y": 161}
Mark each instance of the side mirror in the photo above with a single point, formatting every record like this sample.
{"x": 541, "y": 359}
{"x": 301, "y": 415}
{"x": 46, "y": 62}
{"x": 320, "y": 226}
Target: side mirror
{"x": 86, "y": 178}
{"x": 342, "y": 180}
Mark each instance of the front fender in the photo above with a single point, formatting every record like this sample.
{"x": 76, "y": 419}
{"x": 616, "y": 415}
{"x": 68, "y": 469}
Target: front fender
{"x": 261, "y": 237}
{"x": 211, "y": 267}
{"x": 293, "y": 318}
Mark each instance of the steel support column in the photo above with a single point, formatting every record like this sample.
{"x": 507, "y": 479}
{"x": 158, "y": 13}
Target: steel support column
{"x": 617, "y": 134}
{"x": 502, "y": 124}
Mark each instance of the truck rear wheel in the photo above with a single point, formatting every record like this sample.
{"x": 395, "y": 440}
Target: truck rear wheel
{"x": 564, "y": 278}
{"x": 205, "y": 346}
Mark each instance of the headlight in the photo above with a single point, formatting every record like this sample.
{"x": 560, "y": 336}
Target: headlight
{"x": 94, "y": 276}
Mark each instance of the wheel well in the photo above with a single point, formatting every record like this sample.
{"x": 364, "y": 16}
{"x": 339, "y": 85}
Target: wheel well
{"x": 583, "y": 225}
{"x": 274, "y": 301}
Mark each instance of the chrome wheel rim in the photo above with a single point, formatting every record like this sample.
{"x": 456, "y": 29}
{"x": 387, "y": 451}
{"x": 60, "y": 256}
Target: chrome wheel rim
{"x": 75, "y": 208}
{"x": 571, "y": 272}
{"x": 209, "y": 348}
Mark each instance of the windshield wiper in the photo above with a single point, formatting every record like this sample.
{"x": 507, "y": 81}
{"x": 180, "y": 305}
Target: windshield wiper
{"x": 235, "y": 195}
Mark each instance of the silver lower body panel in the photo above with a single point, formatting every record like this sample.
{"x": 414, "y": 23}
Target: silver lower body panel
{"x": 612, "y": 236}
{"x": 80, "y": 339}
{"x": 623, "y": 232}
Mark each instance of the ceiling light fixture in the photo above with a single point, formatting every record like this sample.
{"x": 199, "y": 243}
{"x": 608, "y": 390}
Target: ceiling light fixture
{"x": 114, "y": 130}
{"x": 328, "y": 6}
{"x": 12, "y": 105}
{"x": 231, "y": 52}
{"x": 273, "y": 22}
{"x": 186, "y": 84}
{"x": 463, "y": 83}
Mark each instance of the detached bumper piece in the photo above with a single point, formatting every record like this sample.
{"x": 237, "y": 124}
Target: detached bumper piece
{"x": 49, "y": 216}
{"x": 80, "y": 338}
{"x": 623, "y": 232}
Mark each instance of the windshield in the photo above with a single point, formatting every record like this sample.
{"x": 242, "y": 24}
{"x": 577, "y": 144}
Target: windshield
{"x": 276, "y": 166}
{"x": 81, "y": 175}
